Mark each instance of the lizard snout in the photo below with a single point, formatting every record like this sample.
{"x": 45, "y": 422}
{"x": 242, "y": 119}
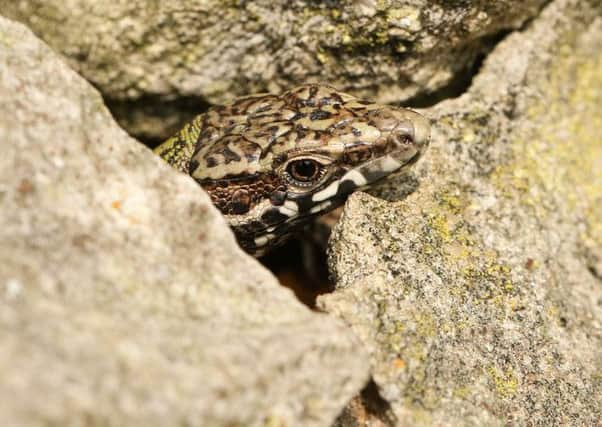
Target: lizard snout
{"x": 410, "y": 136}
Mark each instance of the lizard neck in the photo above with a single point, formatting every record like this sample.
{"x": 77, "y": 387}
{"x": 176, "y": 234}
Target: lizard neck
{"x": 178, "y": 150}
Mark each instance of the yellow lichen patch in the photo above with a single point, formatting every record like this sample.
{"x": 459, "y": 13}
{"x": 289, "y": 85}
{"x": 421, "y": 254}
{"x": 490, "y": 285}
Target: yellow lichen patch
{"x": 5, "y": 39}
{"x": 505, "y": 383}
{"x": 382, "y": 5}
{"x": 426, "y": 326}
{"x": 492, "y": 276}
{"x": 468, "y": 135}
{"x": 440, "y": 225}
{"x": 481, "y": 276}
{"x": 552, "y": 312}
{"x": 322, "y": 57}
{"x": 455, "y": 201}
{"x": 512, "y": 184}
{"x": 461, "y": 392}
{"x": 274, "y": 421}
{"x": 559, "y": 155}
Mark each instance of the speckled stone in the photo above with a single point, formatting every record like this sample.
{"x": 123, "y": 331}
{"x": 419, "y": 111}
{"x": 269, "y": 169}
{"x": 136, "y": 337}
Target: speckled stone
{"x": 124, "y": 299}
{"x": 479, "y": 296}
{"x": 140, "y": 53}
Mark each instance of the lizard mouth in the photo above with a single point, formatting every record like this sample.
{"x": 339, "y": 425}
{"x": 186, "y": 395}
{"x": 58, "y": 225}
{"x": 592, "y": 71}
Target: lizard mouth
{"x": 409, "y": 139}
{"x": 294, "y": 214}
{"x": 379, "y": 168}
{"x": 301, "y": 209}
{"x": 366, "y": 174}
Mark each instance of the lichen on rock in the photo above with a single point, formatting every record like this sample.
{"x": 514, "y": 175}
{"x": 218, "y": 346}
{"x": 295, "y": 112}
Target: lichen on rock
{"x": 480, "y": 298}
{"x": 385, "y": 50}
{"x": 469, "y": 289}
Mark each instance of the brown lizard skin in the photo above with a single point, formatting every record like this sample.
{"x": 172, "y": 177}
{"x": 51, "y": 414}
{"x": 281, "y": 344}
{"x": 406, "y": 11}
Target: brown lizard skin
{"x": 272, "y": 163}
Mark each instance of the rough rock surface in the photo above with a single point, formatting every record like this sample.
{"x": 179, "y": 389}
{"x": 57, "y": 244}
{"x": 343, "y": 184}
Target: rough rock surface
{"x": 479, "y": 296}
{"x": 142, "y": 55}
{"x": 124, "y": 299}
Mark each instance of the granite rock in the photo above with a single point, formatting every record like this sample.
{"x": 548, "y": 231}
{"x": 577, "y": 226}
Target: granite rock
{"x": 479, "y": 295}
{"x": 124, "y": 299}
{"x": 159, "y": 62}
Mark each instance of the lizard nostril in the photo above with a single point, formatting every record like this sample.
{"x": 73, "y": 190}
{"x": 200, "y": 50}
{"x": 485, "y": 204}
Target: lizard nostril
{"x": 401, "y": 139}
{"x": 412, "y": 129}
{"x": 404, "y": 139}
{"x": 402, "y": 134}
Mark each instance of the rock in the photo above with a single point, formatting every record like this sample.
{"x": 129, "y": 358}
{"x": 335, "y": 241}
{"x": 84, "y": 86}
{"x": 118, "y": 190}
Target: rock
{"x": 153, "y": 62}
{"x": 124, "y": 299}
{"x": 479, "y": 295}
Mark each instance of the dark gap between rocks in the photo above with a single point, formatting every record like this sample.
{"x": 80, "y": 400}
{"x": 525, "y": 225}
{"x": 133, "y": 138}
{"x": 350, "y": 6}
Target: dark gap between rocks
{"x": 300, "y": 266}
{"x": 152, "y": 119}
{"x": 461, "y": 81}
{"x": 367, "y": 408}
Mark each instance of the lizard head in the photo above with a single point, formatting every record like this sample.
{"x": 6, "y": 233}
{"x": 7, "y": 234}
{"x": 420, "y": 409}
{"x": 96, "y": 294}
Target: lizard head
{"x": 272, "y": 163}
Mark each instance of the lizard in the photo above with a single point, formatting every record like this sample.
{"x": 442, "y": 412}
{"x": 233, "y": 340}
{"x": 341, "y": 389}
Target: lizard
{"x": 272, "y": 163}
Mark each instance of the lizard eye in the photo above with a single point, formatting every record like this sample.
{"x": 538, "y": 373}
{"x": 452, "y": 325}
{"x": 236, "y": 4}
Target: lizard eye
{"x": 304, "y": 172}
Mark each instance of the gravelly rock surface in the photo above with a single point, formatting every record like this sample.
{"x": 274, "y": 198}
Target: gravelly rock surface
{"x": 145, "y": 54}
{"x": 124, "y": 299}
{"x": 479, "y": 296}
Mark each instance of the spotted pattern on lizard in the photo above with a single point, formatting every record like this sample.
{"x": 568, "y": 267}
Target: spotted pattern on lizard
{"x": 272, "y": 163}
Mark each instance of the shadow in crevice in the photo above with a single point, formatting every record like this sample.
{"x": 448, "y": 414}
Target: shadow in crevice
{"x": 152, "y": 119}
{"x": 367, "y": 408}
{"x": 462, "y": 79}
{"x": 301, "y": 266}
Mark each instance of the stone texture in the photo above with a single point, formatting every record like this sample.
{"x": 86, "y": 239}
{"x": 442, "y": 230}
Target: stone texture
{"x": 479, "y": 296}
{"x": 148, "y": 58}
{"x": 124, "y": 299}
